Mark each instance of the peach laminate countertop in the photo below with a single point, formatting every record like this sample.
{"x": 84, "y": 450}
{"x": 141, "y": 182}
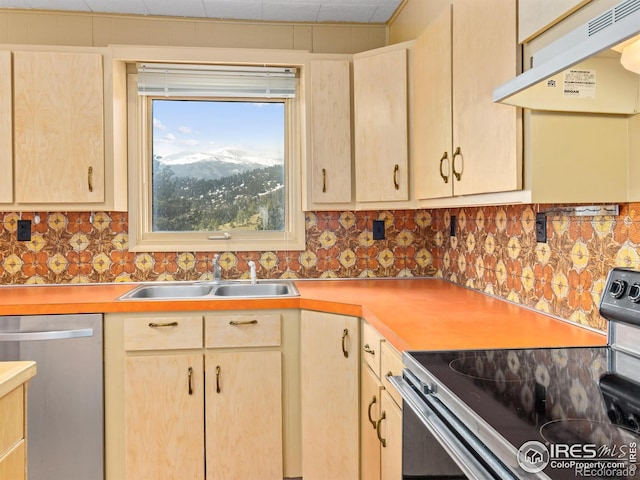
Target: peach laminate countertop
{"x": 14, "y": 374}
{"x": 413, "y": 314}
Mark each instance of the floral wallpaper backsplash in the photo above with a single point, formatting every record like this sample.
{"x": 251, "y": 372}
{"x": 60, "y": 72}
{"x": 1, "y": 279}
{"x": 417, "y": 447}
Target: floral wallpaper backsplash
{"x": 494, "y": 250}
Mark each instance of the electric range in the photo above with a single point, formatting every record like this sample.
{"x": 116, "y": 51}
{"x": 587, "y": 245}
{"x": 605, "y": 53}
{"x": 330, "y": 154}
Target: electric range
{"x": 533, "y": 413}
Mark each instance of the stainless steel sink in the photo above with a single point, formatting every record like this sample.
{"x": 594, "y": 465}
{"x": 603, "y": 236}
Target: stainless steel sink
{"x": 171, "y": 291}
{"x": 204, "y": 290}
{"x": 245, "y": 290}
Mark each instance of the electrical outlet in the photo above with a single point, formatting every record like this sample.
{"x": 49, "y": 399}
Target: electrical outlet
{"x": 378, "y": 229}
{"x": 24, "y": 230}
{"x": 541, "y": 228}
{"x": 453, "y": 226}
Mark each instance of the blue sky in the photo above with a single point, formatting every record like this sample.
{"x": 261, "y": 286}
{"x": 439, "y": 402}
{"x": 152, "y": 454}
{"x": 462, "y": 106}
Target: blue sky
{"x": 200, "y": 126}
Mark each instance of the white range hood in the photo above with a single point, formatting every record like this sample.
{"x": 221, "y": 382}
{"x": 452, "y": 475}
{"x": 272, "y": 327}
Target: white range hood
{"x": 581, "y": 71}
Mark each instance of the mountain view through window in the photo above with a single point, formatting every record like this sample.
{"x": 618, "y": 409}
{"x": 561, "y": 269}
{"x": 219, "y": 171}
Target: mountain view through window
{"x": 218, "y": 165}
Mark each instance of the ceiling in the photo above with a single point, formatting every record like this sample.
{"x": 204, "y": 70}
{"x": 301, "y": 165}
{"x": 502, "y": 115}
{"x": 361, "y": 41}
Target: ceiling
{"x": 351, "y": 11}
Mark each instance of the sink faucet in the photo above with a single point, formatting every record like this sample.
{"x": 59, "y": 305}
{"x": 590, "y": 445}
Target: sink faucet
{"x": 216, "y": 268}
{"x": 252, "y": 271}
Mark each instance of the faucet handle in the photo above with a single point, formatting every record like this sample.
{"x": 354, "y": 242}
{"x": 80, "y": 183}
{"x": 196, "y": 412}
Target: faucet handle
{"x": 252, "y": 271}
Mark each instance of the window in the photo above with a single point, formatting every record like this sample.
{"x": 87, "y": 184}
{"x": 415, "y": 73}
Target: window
{"x": 217, "y": 158}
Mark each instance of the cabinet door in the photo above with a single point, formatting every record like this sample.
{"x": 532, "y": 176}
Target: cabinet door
{"x": 164, "y": 414}
{"x": 370, "y": 390}
{"x": 391, "y": 432}
{"x": 58, "y": 127}
{"x": 6, "y": 144}
{"x": 484, "y": 56}
{"x": 12, "y": 464}
{"x": 330, "y": 131}
{"x": 329, "y": 348}
{"x": 244, "y": 415}
{"x": 432, "y": 137}
{"x": 381, "y": 125}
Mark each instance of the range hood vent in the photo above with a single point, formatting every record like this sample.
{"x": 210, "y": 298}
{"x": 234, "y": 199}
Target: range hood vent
{"x": 581, "y": 71}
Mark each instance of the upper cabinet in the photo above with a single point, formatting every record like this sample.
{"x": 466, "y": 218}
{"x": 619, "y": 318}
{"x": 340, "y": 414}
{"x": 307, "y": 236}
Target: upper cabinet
{"x": 62, "y": 118}
{"x": 535, "y": 16}
{"x": 330, "y": 137}
{"x": 381, "y": 125}
{"x": 59, "y": 131}
{"x": 6, "y": 129}
{"x": 464, "y": 143}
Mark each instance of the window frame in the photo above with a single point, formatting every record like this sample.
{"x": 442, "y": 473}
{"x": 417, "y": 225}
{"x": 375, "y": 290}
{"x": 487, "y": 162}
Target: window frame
{"x": 141, "y": 236}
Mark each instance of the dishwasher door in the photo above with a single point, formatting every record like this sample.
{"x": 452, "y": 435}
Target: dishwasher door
{"x": 65, "y": 416}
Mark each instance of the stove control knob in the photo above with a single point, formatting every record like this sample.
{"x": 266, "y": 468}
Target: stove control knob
{"x": 614, "y": 413}
{"x": 634, "y": 293}
{"x": 617, "y": 288}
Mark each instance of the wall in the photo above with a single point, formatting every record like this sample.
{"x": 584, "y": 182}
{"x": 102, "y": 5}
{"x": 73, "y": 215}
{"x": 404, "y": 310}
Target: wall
{"x": 494, "y": 251}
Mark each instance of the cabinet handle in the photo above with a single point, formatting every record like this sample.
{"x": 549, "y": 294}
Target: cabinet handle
{"x": 457, "y": 153}
{"x": 371, "y": 404}
{"x": 389, "y": 374}
{"x": 235, "y": 323}
{"x": 162, "y": 325}
{"x": 218, "y": 379}
{"x": 345, "y": 334}
{"x": 444, "y": 177}
{"x": 324, "y": 180}
{"x": 90, "y": 178}
{"x": 190, "y": 377}
{"x": 368, "y": 349}
{"x": 396, "y": 168}
{"x": 382, "y": 440}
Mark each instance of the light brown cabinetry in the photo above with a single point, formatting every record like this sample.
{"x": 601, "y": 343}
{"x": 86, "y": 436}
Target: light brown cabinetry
{"x": 199, "y": 395}
{"x": 330, "y": 139}
{"x": 380, "y": 408}
{"x": 463, "y": 142}
{"x": 164, "y": 409}
{"x": 59, "y": 127}
{"x": 536, "y": 16}
{"x": 14, "y": 377}
{"x": 329, "y": 396}
{"x": 244, "y": 398}
{"x": 61, "y": 143}
{"x": 381, "y": 124}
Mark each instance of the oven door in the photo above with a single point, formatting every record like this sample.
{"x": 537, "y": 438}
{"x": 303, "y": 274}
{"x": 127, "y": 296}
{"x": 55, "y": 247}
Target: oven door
{"x": 435, "y": 443}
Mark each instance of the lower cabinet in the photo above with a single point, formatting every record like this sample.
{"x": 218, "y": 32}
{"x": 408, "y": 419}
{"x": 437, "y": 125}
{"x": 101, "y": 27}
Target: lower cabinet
{"x": 196, "y": 396}
{"x": 329, "y": 396}
{"x": 244, "y": 415}
{"x": 380, "y": 409}
{"x": 164, "y": 406}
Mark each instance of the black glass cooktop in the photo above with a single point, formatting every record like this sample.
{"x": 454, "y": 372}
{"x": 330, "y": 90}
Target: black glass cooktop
{"x": 567, "y": 399}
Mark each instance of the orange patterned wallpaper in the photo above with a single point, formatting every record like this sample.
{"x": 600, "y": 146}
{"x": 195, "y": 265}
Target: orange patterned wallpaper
{"x": 494, "y": 251}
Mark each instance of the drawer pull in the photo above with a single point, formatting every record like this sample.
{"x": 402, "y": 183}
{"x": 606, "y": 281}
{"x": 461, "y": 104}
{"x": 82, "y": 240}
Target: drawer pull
{"x": 371, "y": 404}
{"x": 236, "y": 323}
{"x": 368, "y": 349}
{"x": 345, "y": 334}
{"x": 190, "y": 377}
{"x": 396, "y": 185}
{"x": 90, "y": 178}
{"x": 218, "y": 370}
{"x": 382, "y": 440}
{"x": 162, "y": 325}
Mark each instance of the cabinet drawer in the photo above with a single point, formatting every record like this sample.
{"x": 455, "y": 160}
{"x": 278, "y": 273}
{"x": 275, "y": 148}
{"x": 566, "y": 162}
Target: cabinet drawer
{"x": 390, "y": 365}
{"x": 242, "y": 331}
{"x": 11, "y": 419}
{"x": 371, "y": 341}
{"x": 162, "y": 333}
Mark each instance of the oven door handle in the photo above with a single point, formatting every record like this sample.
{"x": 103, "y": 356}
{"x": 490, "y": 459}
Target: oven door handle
{"x": 458, "y": 451}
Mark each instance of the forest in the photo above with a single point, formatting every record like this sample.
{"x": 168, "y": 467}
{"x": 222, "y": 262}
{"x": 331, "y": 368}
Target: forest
{"x": 252, "y": 200}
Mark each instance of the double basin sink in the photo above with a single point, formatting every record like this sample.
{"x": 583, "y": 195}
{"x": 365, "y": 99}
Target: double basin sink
{"x": 209, "y": 290}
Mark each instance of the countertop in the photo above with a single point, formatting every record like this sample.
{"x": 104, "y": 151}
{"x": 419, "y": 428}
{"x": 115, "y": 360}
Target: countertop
{"x": 413, "y": 314}
{"x": 14, "y": 374}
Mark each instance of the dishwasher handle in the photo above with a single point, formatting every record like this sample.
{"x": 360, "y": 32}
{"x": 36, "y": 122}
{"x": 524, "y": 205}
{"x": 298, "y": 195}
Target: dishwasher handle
{"x": 45, "y": 335}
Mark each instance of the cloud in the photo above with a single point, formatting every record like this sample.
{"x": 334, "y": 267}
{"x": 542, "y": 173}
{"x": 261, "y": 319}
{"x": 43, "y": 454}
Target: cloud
{"x": 192, "y": 143}
{"x": 158, "y": 124}
{"x": 169, "y": 136}
{"x": 184, "y": 130}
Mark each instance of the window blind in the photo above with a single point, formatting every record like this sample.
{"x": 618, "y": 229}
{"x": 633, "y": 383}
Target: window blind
{"x": 191, "y": 80}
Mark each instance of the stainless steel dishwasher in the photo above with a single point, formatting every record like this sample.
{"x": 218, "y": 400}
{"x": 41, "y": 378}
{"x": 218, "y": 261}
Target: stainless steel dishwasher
{"x": 65, "y": 416}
